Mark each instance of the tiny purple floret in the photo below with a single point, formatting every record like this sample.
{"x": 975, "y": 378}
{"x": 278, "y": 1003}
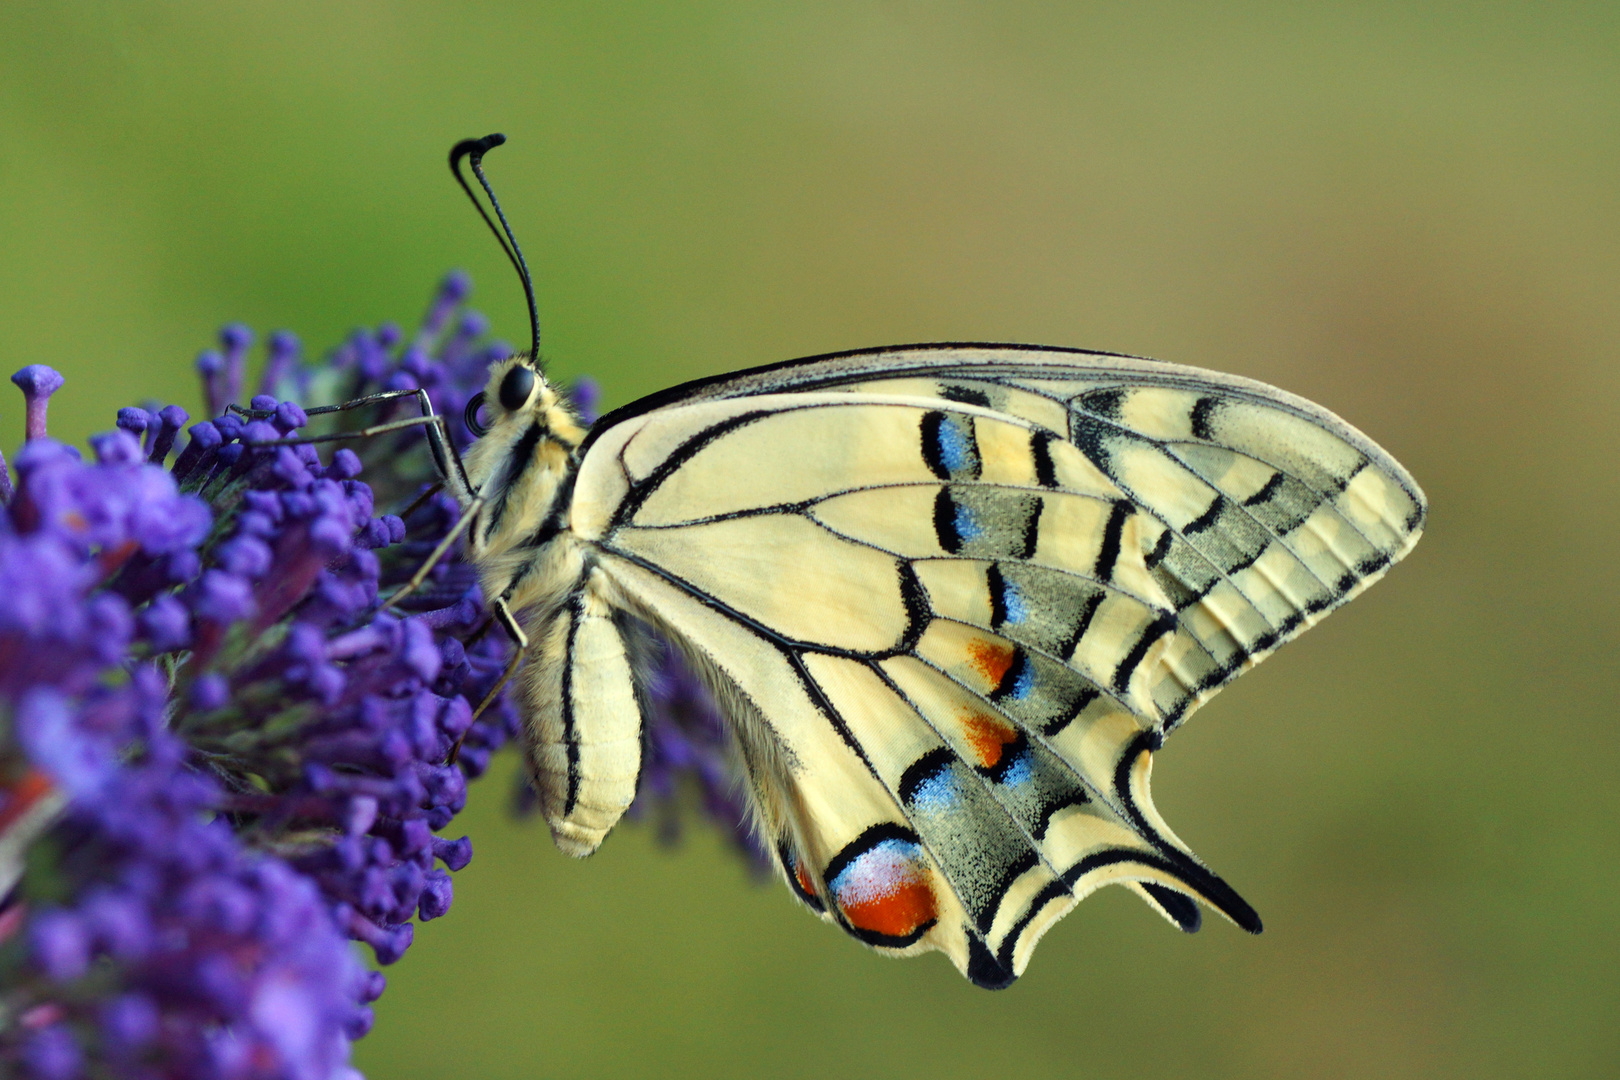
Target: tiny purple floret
{"x": 38, "y": 383}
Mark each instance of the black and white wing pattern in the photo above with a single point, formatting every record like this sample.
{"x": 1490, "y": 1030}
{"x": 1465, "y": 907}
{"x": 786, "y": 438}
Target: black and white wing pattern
{"x": 952, "y": 598}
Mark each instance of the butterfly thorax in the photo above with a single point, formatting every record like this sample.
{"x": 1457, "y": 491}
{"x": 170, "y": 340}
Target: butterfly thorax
{"x": 521, "y": 469}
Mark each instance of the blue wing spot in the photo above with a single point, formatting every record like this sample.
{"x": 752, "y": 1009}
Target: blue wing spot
{"x": 1023, "y": 680}
{"x": 936, "y": 794}
{"x": 954, "y": 450}
{"x": 1020, "y": 770}
{"x": 966, "y": 523}
{"x": 949, "y": 447}
{"x": 1017, "y": 609}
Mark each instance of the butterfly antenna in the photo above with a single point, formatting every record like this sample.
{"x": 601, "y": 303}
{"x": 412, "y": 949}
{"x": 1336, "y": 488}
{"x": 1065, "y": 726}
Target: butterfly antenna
{"x": 474, "y": 150}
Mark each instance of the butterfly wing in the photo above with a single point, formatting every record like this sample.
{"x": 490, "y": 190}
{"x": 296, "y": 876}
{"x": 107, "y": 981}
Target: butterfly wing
{"x": 952, "y": 598}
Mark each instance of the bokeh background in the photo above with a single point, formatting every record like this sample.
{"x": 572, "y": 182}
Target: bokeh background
{"x": 1407, "y": 212}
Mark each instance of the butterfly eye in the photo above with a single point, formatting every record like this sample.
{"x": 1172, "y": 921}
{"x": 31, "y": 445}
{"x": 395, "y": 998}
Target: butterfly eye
{"x": 470, "y": 417}
{"x": 516, "y": 387}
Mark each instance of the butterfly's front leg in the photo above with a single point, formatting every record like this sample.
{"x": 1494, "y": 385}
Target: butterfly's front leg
{"x": 469, "y": 512}
{"x": 447, "y": 464}
{"x": 514, "y": 632}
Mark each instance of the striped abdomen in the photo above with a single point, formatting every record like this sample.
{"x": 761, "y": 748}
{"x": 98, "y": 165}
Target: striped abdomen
{"x": 583, "y": 720}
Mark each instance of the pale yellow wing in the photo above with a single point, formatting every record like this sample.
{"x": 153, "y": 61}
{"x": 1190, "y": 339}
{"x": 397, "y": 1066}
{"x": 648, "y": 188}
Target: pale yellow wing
{"x": 952, "y": 598}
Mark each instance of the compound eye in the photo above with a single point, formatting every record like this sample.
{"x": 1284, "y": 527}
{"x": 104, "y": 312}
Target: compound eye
{"x": 516, "y": 387}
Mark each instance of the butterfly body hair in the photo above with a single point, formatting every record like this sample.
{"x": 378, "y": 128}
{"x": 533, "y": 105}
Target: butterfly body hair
{"x": 519, "y": 462}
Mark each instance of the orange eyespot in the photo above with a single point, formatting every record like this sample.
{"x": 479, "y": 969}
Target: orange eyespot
{"x": 989, "y": 737}
{"x": 992, "y": 659}
{"x": 895, "y": 907}
{"x": 883, "y": 889}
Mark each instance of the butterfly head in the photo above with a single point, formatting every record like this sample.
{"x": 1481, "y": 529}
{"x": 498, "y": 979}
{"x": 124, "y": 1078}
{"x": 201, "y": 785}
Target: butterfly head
{"x": 527, "y": 438}
{"x": 516, "y": 399}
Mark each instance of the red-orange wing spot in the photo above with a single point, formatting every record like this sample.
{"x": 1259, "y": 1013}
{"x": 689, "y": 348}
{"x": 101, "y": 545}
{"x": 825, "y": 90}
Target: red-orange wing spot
{"x": 906, "y": 905}
{"x": 989, "y": 737}
{"x": 991, "y": 658}
{"x": 804, "y": 878}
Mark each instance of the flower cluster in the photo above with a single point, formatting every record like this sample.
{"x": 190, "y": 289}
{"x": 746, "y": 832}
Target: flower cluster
{"x": 220, "y": 760}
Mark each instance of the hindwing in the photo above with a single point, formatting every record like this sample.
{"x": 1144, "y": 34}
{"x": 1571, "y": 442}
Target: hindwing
{"x": 953, "y": 597}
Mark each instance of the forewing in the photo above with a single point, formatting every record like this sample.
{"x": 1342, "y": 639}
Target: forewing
{"x": 952, "y": 599}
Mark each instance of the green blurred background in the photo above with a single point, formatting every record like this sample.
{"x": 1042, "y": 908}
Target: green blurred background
{"x": 1406, "y": 212}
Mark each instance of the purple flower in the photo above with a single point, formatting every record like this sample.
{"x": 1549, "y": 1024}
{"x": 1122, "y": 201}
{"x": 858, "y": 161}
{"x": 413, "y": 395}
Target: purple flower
{"x": 78, "y": 760}
{"x": 38, "y": 383}
{"x": 129, "y": 1023}
{"x": 246, "y": 761}
{"x": 51, "y": 1053}
{"x": 60, "y": 944}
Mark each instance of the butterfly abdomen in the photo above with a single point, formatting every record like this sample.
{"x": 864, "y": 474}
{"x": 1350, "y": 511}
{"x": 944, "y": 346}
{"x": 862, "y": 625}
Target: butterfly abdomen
{"x": 583, "y": 719}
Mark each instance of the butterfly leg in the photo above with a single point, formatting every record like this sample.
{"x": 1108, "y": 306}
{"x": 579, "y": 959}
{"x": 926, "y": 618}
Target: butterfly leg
{"x": 467, "y": 514}
{"x": 432, "y": 424}
{"x": 520, "y": 645}
{"x": 446, "y": 460}
{"x": 421, "y": 500}
{"x": 453, "y": 474}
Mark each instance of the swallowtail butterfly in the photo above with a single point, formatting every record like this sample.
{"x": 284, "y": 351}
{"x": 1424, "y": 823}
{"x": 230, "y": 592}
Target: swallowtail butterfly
{"x": 951, "y": 598}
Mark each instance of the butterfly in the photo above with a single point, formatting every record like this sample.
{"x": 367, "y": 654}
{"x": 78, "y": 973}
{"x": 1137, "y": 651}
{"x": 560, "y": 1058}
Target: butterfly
{"x": 950, "y": 598}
